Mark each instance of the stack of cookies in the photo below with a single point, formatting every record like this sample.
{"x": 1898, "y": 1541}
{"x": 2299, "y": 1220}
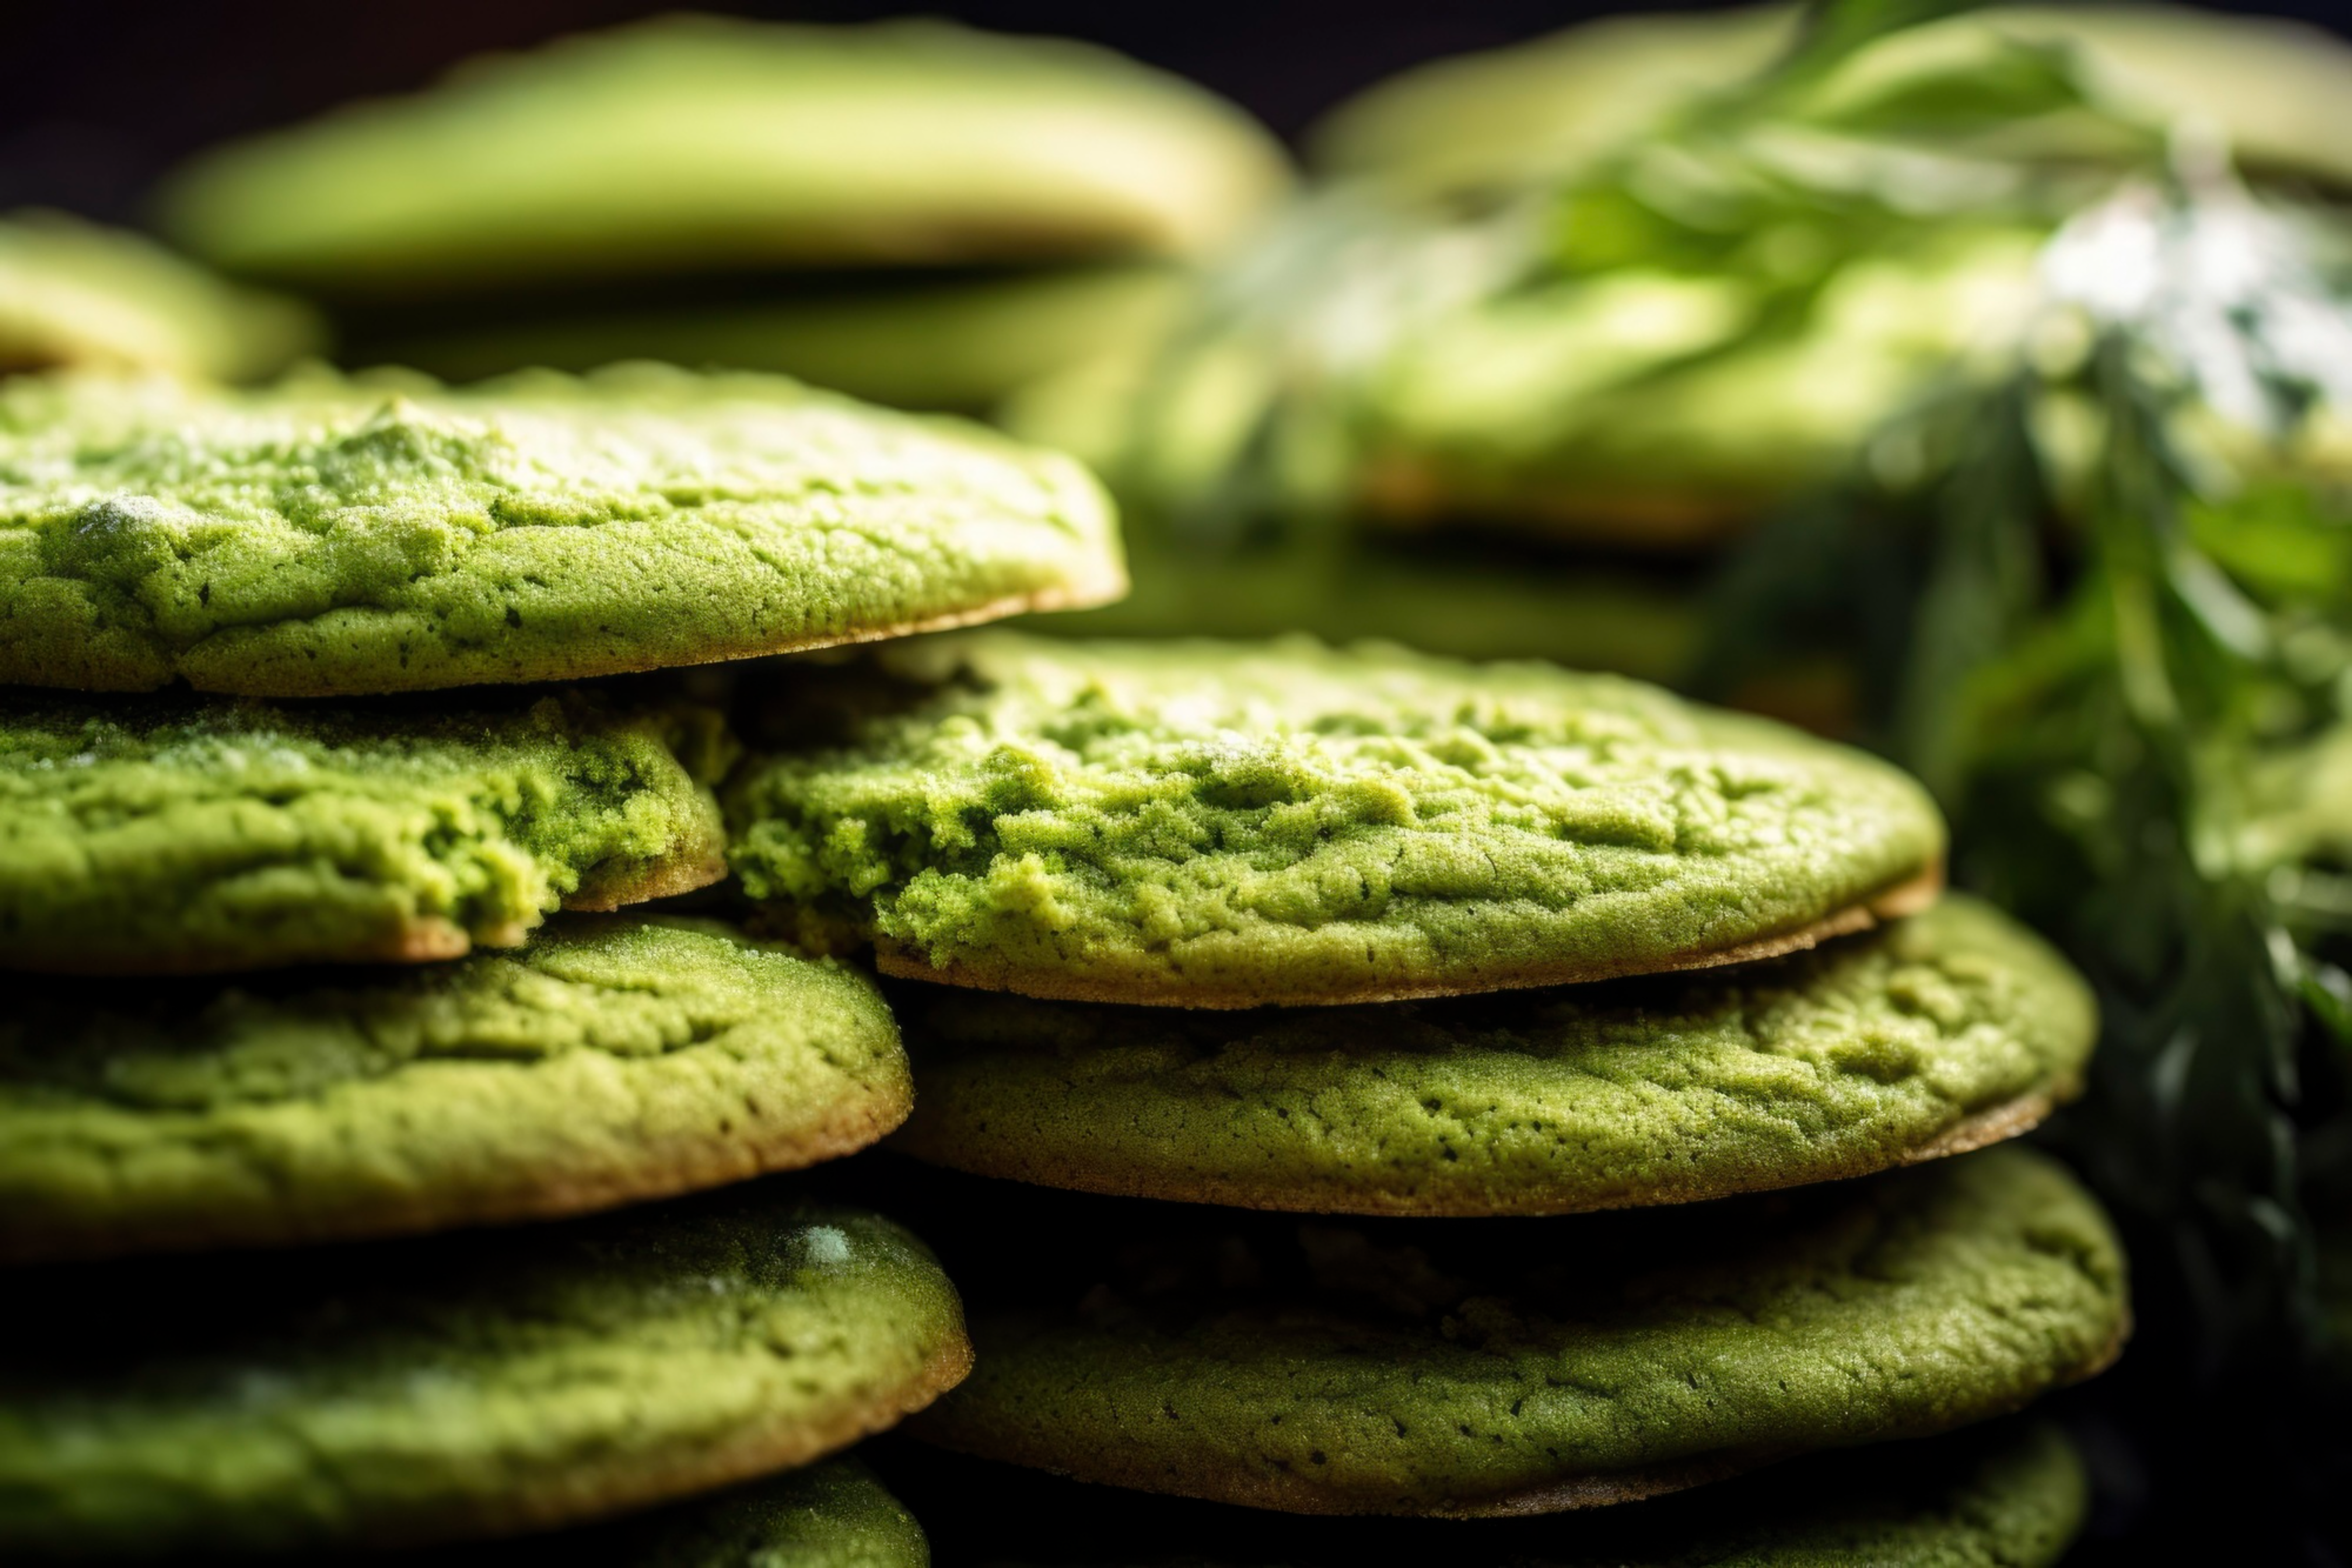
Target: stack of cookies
{"x": 320, "y": 976}
{"x": 1448, "y": 957}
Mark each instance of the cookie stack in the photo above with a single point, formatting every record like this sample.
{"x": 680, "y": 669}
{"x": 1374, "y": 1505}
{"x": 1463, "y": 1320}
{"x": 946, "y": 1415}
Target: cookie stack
{"x": 317, "y": 981}
{"x": 1449, "y": 956}
{"x": 915, "y": 211}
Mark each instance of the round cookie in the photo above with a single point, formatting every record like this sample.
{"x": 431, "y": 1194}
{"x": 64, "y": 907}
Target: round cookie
{"x": 960, "y": 344}
{"x": 612, "y": 1059}
{"x": 72, "y": 293}
{"x": 1524, "y": 1366}
{"x": 834, "y": 1514}
{"x": 379, "y": 534}
{"x": 1943, "y": 1033}
{"x": 425, "y": 1390}
{"x": 1214, "y": 825}
{"x": 175, "y": 838}
{"x": 2011, "y": 1494}
{"x": 703, "y": 143}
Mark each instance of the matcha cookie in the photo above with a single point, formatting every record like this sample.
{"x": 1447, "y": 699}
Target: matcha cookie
{"x": 1941, "y": 1033}
{"x": 834, "y": 1514}
{"x": 337, "y": 536}
{"x": 705, "y": 144}
{"x": 415, "y": 1392}
{"x": 2007, "y": 1495}
{"x": 1230, "y": 824}
{"x": 153, "y": 837}
{"x": 958, "y": 343}
{"x": 612, "y": 1059}
{"x": 72, "y": 293}
{"x": 1524, "y": 1366}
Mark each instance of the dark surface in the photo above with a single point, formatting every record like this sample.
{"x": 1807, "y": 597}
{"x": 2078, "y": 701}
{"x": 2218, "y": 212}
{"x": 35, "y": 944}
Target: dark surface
{"x": 118, "y": 89}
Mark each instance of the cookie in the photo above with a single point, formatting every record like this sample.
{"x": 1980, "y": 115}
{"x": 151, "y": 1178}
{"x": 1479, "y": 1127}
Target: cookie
{"x": 2011, "y": 1494}
{"x": 959, "y": 344}
{"x": 416, "y": 1392}
{"x": 1525, "y": 1366}
{"x": 332, "y": 536}
{"x": 1213, "y": 824}
{"x": 612, "y": 1059}
{"x": 703, "y": 143}
{"x": 167, "y": 837}
{"x": 1938, "y": 1035}
{"x": 73, "y": 293}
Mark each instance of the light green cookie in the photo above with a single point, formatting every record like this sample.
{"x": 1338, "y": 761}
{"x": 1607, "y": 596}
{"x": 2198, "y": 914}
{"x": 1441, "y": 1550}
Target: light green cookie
{"x": 168, "y": 837}
{"x": 419, "y": 1391}
{"x": 960, "y": 344}
{"x": 383, "y": 534}
{"x": 612, "y": 1059}
{"x": 1526, "y": 1367}
{"x": 1216, "y": 824}
{"x": 698, "y": 143}
{"x": 72, "y": 293}
{"x": 1943, "y": 1033}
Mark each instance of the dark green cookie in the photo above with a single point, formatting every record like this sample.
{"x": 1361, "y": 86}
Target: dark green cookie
{"x": 1524, "y": 1366}
{"x": 330, "y": 536}
{"x": 1940, "y": 1034}
{"x": 167, "y": 837}
{"x": 417, "y": 1392}
{"x": 1222, "y": 825}
{"x": 72, "y": 293}
{"x": 2011, "y": 1494}
{"x": 609, "y": 1060}
{"x": 691, "y": 144}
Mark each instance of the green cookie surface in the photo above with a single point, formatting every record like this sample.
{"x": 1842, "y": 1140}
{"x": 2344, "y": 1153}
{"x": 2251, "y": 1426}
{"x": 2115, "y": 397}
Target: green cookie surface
{"x": 2010, "y": 1495}
{"x": 701, "y": 142}
{"x": 1940, "y": 1034}
{"x": 1522, "y": 1366}
{"x": 609, "y": 1060}
{"x": 163, "y": 837}
{"x": 72, "y": 293}
{"x": 383, "y": 533}
{"x": 1232, "y": 824}
{"x": 415, "y": 1392}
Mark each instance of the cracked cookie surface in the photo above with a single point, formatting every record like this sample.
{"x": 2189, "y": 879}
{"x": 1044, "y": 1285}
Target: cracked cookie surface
{"x": 612, "y": 1059}
{"x": 333, "y": 536}
{"x": 1229, "y": 825}
{"x": 424, "y": 1390}
{"x": 169, "y": 838}
{"x": 1940, "y": 1032}
{"x": 1524, "y": 1366}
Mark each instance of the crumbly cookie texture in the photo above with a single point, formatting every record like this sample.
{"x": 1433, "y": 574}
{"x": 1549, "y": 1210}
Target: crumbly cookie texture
{"x": 164, "y": 838}
{"x": 383, "y": 533}
{"x": 612, "y": 1059}
{"x": 417, "y": 1392}
{"x": 1523, "y": 1371}
{"x": 1232, "y": 824}
{"x": 1941, "y": 1033}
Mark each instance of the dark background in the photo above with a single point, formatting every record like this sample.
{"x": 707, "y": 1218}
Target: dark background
{"x": 101, "y": 95}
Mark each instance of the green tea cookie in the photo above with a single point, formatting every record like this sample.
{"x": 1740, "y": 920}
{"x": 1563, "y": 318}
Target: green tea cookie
{"x": 72, "y": 293}
{"x": 1230, "y": 824}
{"x": 153, "y": 837}
{"x": 384, "y": 535}
{"x": 612, "y": 1059}
{"x": 416, "y": 1392}
{"x": 1522, "y": 1366}
{"x": 831, "y": 1515}
{"x": 1944, "y": 1033}
{"x": 691, "y": 143}
{"x": 2008, "y": 1495}
{"x": 959, "y": 344}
